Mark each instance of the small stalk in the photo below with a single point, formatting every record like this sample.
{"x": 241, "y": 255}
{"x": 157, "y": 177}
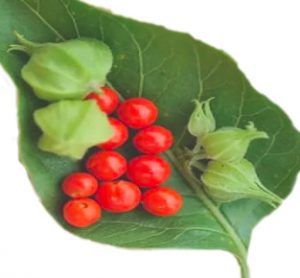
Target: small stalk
{"x": 95, "y": 87}
{"x": 198, "y": 165}
{"x": 25, "y": 45}
{"x": 197, "y": 146}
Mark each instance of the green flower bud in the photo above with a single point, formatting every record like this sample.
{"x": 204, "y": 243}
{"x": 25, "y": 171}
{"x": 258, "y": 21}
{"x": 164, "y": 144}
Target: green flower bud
{"x": 70, "y": 127}
{"x": 65, "y": 70}
{"x": 229, "y": 181}
{"x": 230, "y": 143}
{"x": 201, "y": 120}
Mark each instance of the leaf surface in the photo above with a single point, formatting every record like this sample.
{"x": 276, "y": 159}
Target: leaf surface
{"x": 172, "y": 69}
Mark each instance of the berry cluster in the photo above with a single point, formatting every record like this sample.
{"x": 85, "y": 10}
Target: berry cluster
{"x": 146, "y": 172}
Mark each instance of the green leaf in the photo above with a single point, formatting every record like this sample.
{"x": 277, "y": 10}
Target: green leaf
{"x": 172, "y": 69}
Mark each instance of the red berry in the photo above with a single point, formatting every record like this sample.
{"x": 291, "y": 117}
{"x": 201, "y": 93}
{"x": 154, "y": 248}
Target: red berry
{"x": 148, "y": 170}
{"x": 137, "y": 112}
{"x": 119, "y": 196}
{"x": 162, "y": 201}
{"x": 79, "y": 185}
{"x": 81, "y": 212}
{"x": 107, "y": 101}
{"x": 153, "y": 139}
{"x": 107, "y": 165}
{"x": 120, "y": 135}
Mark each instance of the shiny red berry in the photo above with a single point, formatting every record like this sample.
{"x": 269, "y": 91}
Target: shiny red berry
{"x": 162, "y": 201}
{"x": 153, "y": 139}
{"x": 79, "y": 185}
{"x": 137, "y": 112}
{"x": 81, "y": 212}
{"x": 119, "y": 137}
{"x": 148, "y": 170}
{"x": 107, "y": 101}
{"x": 107, "y": 165}
{"x": 119, "y": 196}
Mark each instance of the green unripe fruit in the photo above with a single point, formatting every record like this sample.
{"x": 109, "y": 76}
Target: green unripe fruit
{"x": 229, "y": 181}
{"x": 71, "y": 127}
{"x": 230, "y": 143}
{"x": 201, "y": 120}
{"x": 65, "y": 70}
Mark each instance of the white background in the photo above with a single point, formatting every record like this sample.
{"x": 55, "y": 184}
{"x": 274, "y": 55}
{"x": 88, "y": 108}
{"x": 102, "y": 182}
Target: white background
{"x": 263, "y": 36}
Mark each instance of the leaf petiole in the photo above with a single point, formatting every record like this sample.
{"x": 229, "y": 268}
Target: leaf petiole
{"x": 186, "y": 171}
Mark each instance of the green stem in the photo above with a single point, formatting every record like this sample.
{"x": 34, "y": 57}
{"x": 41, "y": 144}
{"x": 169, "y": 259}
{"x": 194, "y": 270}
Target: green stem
{"x": 24, "y": 46}
{"x": 196, "y": 185}
{"x": 95, "y": 87}
{"x": 18, "y": 47}
{"x": 245, "y": 273}
{"x": 112, "y": 87}
{"x": 197, "y": 146}
{"x": 198, "y": 156}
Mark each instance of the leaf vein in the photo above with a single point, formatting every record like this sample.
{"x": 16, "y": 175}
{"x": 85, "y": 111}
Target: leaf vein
{"x": 212, "y": 71}
{"x": 165, "y": 88}
{"x": 258, "y": 112}
{"x": 272, "y": 142}
{"x": 198, "y": 72}
{"x": 242, "y": 103}
{"x": 119, "y": 233}
{"x": 101, "y": 29}
{"x": 148, "y": 45}
{"x": 160, "y": 65}
{"x": 140, "y": 56}
{"x": 41, "y": 18}
{"x": 141, "y": 225}
{"x": 287, "y": 174}
{"x": 71, "y": 16}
